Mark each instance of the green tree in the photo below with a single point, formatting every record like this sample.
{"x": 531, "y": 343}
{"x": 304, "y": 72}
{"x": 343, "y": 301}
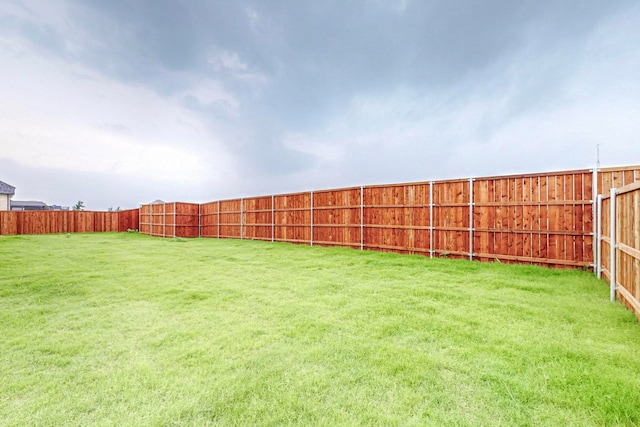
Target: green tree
{"x": 79, "y": 206}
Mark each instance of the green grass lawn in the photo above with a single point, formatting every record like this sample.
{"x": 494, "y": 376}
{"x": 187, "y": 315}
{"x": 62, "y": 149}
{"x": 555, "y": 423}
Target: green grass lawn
{"x": 124, "y": 329}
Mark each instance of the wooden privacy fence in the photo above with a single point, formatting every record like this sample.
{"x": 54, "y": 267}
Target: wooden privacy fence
{"x": 170, "y": 219}
{"x": 545, "y": 219}
{"x": 618, "y": 252}
{"x": 45, "y": 222}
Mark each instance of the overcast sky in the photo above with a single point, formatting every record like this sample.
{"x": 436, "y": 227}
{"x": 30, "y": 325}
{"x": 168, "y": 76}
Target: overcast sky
{"x": 118, "y": 103}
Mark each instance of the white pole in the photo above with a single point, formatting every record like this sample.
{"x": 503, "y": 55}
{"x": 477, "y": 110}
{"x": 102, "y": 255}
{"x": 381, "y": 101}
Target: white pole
{"x": 241, "y": 218}
{"x": 612, "y": 251}
{"x": 599, "y": 238}
{"x": 362, "y": 217}
{"x": 430, "y": 219}
{"x": 470, "y": 219}
{"x": 311, "y": 221}
{"x": 594, "y": 192}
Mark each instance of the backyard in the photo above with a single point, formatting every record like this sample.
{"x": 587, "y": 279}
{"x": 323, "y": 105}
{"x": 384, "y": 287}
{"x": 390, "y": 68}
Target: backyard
{"x": 126, "y": 329}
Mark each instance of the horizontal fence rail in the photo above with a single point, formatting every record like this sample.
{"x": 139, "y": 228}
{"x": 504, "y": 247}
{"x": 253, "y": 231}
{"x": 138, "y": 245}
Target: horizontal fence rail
{"x": 47, "y": 222}
{"x": 545, "y": 219}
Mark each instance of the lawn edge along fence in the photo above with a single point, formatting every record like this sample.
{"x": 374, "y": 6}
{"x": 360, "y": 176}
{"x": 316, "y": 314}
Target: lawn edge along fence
{"x": 48, "y": 222}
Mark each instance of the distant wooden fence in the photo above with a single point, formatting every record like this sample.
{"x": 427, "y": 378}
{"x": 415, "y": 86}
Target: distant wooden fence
{"x": 45, "y": 222}
{"x": 546, "y": 219}
{"x": 170, "y": 219}
{"x": 618, "y": 254}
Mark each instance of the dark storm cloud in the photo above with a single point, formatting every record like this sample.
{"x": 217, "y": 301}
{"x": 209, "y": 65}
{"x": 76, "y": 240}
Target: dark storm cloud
{"x": 335, "y": 50}
{"x": 158, "y": 42}
{"x": 316, "y": 55}
{"x": 316, "y": 51}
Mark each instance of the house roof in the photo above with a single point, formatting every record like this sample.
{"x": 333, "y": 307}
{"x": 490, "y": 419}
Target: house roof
{"x": 7, "y": 189}
{"x": 28, "y": 203}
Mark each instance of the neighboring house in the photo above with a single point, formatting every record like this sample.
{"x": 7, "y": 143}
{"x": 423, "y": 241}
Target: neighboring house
{"x": 6, "y": 193}
{"x": 17, "y": 205}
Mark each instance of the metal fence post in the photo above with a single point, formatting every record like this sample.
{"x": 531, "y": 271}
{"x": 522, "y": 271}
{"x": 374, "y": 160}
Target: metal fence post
{"x": 241, "y": 219}
{"x": 311, "y": 221}
{"x": 362, "y": 217}
{"x": 594, "y": 192}
{"x": 599, "y": 236}
{"x": 613, "y": 244}
{"x": 471, "y": 219}
{"x": 430, "y": 219}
